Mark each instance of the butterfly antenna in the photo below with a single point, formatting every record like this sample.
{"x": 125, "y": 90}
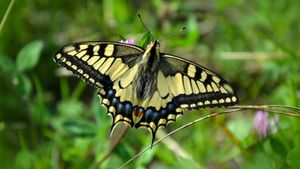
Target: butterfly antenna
{"x": 145, "y": 26}
{"x": 173, "y": 33}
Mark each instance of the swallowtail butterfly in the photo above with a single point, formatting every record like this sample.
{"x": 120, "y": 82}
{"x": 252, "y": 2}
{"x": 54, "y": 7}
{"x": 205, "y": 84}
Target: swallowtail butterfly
{"x": 144, "y": 87}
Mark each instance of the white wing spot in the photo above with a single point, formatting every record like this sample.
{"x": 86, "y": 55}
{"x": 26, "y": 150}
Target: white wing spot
{"x": 109, "y": 50}
{"x": 214, "y": 86}
{"x": 74, "y": 67}
{"x": 234, "y": 99}
{"x": 228, "y": 88}
{"x": 228, "y": 100}
{"x": 68, "y": 63}
{"x": 200, "y": 104}
{"x": 58, "y": 56}
{"x": 184, "y": 106}
{"x": 82, "y": 47}
{"x": 207, "y": 102}
{"x": 106, "y": 65}
{"x": 96, "y": 49}
{"x": 93, "y": 59}
{"x": 191, "y": 71}
{"x": 85, "y": 58}
{"x": 201, "y": 87}
{"x": 178, "y": 84}
{"x": 203, "y": 76}
{"x": 72, "y": 53}
{"x": 106, "y": 101}
{"x": 187, "y": 85}
{"x": 216, "y": 79}
{"x": 68, "y": 49}
{"x": 214, "y": 102}
{"x": 178, "y": 110}
{"x": 80, "y": 54}
{"x": 92, "y": 80}
{"x": 161, "y": 84}
{"x": 208, "y": 88}
{"x": 193, "y": 105}
{"x": 194, "y": 87}
{"x": 99, "y": 63}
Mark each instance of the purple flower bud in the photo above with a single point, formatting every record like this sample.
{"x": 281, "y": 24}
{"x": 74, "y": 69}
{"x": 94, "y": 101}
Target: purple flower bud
{"x": 128, "y": 41}
{"x": 261, "y": 123}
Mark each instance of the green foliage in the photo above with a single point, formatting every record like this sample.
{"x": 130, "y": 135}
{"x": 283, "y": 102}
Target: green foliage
{"x": 29, "y": 56}
{"x": 293, "y": 156}
{"x": 145, "y": 39}
{"x": 51, "y": 120}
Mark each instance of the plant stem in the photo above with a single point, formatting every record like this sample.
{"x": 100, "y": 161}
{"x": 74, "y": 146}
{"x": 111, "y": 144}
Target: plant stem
{"x": 6, "y": 14}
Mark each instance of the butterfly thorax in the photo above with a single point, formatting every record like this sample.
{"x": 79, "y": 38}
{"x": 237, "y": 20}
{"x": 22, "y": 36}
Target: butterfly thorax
{"x": 145, "y": 82}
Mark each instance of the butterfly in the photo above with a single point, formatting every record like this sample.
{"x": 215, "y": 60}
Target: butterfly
{"x": 143, "y": 87}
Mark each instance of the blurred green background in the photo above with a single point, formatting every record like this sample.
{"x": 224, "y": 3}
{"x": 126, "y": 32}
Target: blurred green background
{"x": 49, "y": 119}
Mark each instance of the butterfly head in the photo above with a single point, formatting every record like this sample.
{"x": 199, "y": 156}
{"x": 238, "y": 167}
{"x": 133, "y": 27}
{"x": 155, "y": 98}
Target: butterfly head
{"x": 152, "y": 49}
{"x": 151, "y": 55}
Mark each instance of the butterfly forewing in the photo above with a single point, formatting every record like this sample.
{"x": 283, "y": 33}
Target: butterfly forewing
{"x": 194, "y": 86}
{"x": 98, "y": 63}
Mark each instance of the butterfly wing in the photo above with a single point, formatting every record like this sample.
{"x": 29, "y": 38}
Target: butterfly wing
{"x": 104, "y": 65}
{"x": 182, "y": 84}
{"x": 112, "y": 67}
{"x": 98, "y": 63}
{"x": 194, "y": 86}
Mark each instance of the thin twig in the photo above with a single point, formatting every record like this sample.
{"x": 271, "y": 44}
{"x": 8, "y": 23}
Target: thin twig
{"x": 279, "y": 109}
{"x": 285, "y": 110}
{"x": 115, "y": 140}
{"x": 174, "y": 131}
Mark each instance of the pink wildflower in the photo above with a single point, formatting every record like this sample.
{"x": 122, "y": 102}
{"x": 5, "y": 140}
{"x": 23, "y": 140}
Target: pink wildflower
{"x": 128, "y": 41}
{"x": 261, "y": 123}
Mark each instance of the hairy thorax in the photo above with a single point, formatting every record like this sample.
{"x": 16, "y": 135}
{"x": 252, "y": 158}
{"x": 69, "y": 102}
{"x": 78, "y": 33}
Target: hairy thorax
{"x": 145, "y": 82}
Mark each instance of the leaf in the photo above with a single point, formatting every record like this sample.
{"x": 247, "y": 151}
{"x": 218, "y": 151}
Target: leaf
{"x": 122, "y": 37}
{"x": 293, "y": 158}
{"x": 29, "y": 56}
{"x": 39, "y": 113}
{"x": 193, "y": 31}
{"x": 23, "y": 159}
{"x": 240, "y": 128}
{"x": 6, "y": 64}
{"x": 278, "y": 147}
{"x": 24, "y": 86}
{"x": 2, "y": 126}
{"x": 145, "y": 39}
{"x": 145, "y": 158}
{"x": 77, "y": 128}
{"x": 259, "y": 160}
{"x": 70, "y": 108}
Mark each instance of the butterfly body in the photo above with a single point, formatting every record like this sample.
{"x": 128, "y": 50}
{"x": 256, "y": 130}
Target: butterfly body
{"x": 145, "y": 81}
{"x": 144, "y": 87}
